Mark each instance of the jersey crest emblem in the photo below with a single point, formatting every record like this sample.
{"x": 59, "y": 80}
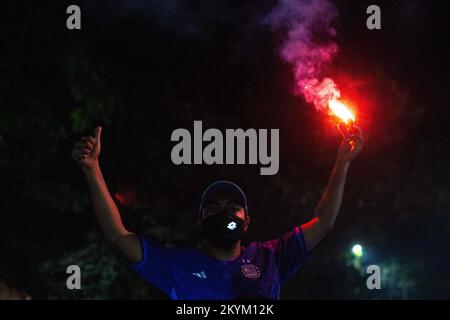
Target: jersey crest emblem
{"x": 250, "y": 271}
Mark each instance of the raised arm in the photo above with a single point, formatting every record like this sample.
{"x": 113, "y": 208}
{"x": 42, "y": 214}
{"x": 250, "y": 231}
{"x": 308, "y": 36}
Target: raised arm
{"x": 327, "y": 210}
{"x": 86, "y": 152}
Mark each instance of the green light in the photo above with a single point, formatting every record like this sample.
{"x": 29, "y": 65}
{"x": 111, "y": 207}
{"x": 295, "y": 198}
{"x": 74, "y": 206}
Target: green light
{"x": 357, "y": 250}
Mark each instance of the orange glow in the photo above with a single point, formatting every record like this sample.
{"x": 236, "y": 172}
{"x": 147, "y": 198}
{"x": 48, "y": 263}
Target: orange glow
{"x": 340, "y": 110}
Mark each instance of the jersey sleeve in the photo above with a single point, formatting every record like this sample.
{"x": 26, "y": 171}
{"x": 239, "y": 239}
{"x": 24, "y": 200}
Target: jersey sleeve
{"x": 154, "y": 266}
{"x": 290, "y": 253}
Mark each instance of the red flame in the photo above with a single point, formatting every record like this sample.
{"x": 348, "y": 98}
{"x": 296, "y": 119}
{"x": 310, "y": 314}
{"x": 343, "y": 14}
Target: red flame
{"x": 325, "y": 96}
{"x": 340, "y": 110}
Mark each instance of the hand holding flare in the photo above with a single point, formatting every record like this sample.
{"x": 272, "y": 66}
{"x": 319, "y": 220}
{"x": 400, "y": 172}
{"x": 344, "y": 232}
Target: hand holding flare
{"x": 352, "y": 135}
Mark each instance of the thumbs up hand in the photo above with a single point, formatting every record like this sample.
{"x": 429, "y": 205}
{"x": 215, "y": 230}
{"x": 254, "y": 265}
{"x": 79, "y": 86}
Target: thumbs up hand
{"x": 87, "y": 149}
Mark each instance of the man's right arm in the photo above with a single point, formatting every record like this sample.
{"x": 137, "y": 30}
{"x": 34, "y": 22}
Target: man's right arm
{"x": 86, "y": 152}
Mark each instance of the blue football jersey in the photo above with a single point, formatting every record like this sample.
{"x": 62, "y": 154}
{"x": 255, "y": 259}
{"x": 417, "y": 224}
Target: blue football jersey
{"x": 259, "y": 271}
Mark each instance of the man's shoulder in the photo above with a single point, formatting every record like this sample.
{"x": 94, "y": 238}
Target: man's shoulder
{"x": 262, "y": 246}
{"x": 167, "y": 249}
{"x": 274, "y": 243}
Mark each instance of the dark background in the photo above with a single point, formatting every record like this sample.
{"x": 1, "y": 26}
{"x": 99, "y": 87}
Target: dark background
{"x": 144, "y": 68}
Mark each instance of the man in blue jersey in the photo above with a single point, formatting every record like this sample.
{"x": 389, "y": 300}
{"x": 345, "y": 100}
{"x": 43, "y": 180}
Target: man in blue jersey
{"x": 224, "y": 269}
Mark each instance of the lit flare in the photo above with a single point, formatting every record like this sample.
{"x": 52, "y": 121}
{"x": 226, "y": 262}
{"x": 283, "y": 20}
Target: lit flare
{"x": 341, "y": 111}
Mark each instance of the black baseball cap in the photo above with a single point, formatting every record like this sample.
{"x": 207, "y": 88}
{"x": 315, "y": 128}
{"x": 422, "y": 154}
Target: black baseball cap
{"x": 223, "y": 186}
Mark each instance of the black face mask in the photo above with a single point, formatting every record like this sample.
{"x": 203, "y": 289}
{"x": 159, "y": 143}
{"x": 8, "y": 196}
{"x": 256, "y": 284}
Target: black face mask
{"x": 223, "y": 229}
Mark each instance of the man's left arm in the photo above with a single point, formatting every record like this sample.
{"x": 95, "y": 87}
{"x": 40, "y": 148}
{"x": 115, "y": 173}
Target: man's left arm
{"x": 328, "y": 208}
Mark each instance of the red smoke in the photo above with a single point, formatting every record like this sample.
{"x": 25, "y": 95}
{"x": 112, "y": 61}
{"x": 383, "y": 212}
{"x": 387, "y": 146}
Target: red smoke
{"x": 309, "y": 46}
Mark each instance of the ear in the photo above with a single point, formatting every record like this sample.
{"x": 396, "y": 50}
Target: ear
{"x": 247, "y": 222}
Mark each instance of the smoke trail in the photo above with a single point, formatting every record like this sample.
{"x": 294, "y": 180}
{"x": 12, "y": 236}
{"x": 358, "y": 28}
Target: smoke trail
{"x": 308, "y": 44}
